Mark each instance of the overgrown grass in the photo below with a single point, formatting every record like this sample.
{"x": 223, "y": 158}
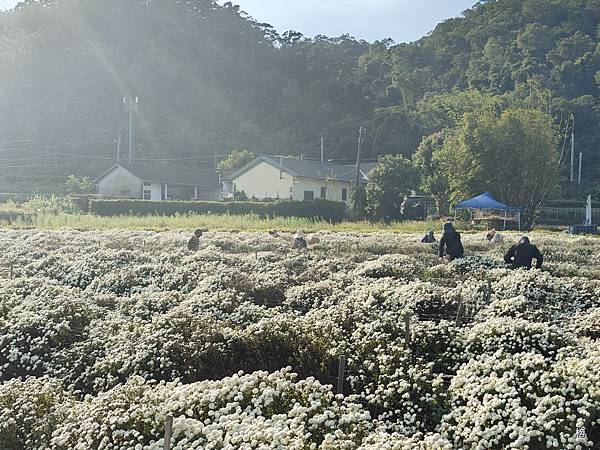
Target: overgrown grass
{"x": 85, "y": 222}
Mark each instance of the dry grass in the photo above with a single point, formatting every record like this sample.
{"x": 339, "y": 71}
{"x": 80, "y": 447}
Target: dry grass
{"x": 86, "y": 222}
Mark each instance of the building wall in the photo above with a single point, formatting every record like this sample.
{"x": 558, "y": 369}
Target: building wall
{"x": 152, "y": 191}
{"x": 333, "y": 189}
{"x": 263, "y": 182}
{"x": 118, "y": 183}
{"x": 209, "y": 194}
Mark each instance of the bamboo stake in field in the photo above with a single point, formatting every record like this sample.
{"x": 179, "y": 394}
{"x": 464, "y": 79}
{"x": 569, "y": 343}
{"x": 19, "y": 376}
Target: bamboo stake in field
{"x": 458, "y": 312}
{"x": 168, "y": 433}
{"x": 341, "y": 370}
{"x": 407, "y": 330}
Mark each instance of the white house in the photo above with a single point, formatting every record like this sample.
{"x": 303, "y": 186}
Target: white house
{"x": 288, "y": 178}
{"x": 146, "y": 182}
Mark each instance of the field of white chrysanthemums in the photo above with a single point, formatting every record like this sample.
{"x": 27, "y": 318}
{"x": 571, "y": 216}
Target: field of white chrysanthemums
{"x": 105, "y": 334}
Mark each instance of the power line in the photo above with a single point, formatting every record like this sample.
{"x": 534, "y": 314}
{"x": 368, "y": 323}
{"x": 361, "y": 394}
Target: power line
{"x": 28, "y": 166}
{"x": 194, "y": 158}
{"x": 45, "y": 147}
{"x": 70, "y": 155}
{"x": 37, "y": 158}
{"x": 63, "y": 140}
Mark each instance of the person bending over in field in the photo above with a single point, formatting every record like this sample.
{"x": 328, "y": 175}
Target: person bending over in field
{"x": 299, "y": 241}
{"x": 429, "y": 238}
{"x": 522, "y": 254}
{"x": 451, "y": 243}
{"x": 493, "y": 237}
{"x": 194, "y": 242}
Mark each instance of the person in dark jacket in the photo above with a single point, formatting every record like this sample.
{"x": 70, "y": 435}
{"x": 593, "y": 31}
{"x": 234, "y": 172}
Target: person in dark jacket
{"x": 522, "y": 254}
{"x": 429, "y": 238}
{"x": 194, "y": 242}
{"x": 450, "y": 241}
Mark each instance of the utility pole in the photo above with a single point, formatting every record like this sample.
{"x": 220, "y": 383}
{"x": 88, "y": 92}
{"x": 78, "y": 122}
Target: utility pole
{"x": 358, "y": 151}
{"x": 572, "y": 178}
{"x": 580, "y": 158}
{"x": 322, "y": 149}
{"x": 358, "y": 200}
{"x": 119, "y": 142}
{"x": 131, "y": 106}
{"x": 281, "y": 167}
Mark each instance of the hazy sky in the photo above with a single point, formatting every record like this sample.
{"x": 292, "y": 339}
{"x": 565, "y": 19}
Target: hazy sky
{"x": 402, "y": 20}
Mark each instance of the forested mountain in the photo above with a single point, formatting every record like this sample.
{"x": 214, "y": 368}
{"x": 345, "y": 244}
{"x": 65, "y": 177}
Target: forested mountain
{"x": 210, "y": 78}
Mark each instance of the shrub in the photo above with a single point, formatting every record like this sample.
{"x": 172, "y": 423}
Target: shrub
{"x": 30, "y": 411}
{"x": 516, "y": 401}
{"x": 315, "y": 209}
{"x": 216, "y": 414}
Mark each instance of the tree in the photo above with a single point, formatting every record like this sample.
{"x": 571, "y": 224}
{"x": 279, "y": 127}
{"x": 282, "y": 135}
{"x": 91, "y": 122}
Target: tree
{"x": 236, "y": 159}
{"x": 78, "y": 185}
{"x": 390, "y": 182}
{"x": 221, "y": 79}
{"x": 359, "y": 202}
{"x": 428, "y": 160}
{"x": 514, "y": 155}
{"x": 535, "y": 40}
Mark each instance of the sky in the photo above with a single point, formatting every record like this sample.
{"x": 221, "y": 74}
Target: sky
{"x": 401, "y": 20}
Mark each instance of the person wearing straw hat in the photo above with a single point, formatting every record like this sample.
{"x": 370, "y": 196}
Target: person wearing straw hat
{"x": 299, "y": 241}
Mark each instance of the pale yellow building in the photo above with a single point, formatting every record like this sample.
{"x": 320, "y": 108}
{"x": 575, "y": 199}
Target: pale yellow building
{"x": 269, "y": 177}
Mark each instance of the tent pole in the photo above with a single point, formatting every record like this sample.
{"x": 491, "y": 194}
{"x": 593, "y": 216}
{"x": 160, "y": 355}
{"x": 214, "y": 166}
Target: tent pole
{"x": 504, "y": 220}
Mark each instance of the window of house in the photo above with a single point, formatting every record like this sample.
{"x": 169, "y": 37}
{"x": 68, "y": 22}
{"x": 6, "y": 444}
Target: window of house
{"x": 344, "y": 194}
{"x": 323, "y": 192}
{"x": 309, "y": 195}
{"x": 147, "y": 194}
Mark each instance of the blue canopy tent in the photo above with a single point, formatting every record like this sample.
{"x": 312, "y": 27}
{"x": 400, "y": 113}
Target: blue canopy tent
{"x": 486, "y": 202}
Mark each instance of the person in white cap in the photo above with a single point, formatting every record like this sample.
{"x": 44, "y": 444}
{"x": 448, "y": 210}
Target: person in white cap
{"x": 299, "y": 241}
{"x": 493, "y": 237}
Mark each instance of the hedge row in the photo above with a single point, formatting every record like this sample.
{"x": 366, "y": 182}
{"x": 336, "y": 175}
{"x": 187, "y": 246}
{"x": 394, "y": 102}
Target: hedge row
{"x": 319, "y": 209}
{"x": 15, "y": 216}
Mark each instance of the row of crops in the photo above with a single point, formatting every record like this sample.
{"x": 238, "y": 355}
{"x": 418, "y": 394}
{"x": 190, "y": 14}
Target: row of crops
{"x": 105, "y": 334}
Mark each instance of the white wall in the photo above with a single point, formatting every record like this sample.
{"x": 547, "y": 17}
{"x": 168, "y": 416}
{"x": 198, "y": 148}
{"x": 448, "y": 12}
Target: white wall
{"x": 155, "y": 191}
{"x": 334, "y": 189}
{"x": 263, "y": 182}
{"x": 118, "y": 181}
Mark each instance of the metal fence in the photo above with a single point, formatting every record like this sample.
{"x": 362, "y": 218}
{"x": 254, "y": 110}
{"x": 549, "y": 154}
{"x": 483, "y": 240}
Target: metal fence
{"x": 566, "y": 216}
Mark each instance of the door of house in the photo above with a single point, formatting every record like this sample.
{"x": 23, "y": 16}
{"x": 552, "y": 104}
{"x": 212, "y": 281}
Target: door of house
{"x": 154, "y": 190}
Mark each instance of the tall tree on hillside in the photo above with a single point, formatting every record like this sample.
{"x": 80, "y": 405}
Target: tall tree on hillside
{"x": 514, "y": 155}
{"x": 236, "y": 159}
{"x": 390, "y": 182}
{"x": 428, "y": 159}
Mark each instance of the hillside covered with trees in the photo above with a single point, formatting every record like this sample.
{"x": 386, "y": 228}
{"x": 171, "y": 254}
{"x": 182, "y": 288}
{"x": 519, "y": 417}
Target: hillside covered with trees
{"x": 210, "y": 79}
